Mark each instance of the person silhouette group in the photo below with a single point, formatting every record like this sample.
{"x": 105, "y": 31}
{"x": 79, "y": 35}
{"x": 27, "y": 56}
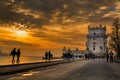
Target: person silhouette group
{"x": 17, "y": 54}
{"x": 48, "y": 55}
{"x": 109, "y": 57}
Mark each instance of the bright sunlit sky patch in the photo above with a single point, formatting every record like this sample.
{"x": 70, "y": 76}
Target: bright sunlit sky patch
{"x": 21, "y": 33}
{"x": 37, "y": 26}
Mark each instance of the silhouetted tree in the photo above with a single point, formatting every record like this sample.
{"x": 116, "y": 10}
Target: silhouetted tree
{"x": 115, "y": 37}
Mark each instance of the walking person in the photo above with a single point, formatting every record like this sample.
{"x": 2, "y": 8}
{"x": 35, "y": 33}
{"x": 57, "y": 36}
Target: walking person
{"x": 18, "y": 56}
{"x": 93, "y": 56}
{"x": 85, "y": 56}
{"x": 13, "y": 53}
{"x": 111, "y": 56}
{"x": 68, "y": 55}
{"x": 49, "y": 55}
{"x": 46, "y": 56}
{"x": 107, "y": 57}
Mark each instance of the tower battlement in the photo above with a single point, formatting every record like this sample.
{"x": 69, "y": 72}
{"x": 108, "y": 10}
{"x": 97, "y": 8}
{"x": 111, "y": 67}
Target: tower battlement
{"x": 100, "y": 27}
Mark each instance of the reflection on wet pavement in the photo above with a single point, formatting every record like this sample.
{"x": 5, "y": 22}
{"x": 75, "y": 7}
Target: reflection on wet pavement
{"x": 16, "y": 78}
{"x": 22, "y": 76}
{"x": 29, "y": 74}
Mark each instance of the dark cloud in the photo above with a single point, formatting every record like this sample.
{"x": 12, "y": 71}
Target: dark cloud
{"x": 54, "y": 11}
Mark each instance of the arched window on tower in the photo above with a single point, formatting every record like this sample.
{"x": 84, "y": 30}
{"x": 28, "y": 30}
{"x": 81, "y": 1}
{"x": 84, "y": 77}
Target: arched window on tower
{"x": 101, "y": 47}
{"x": 94, "y": 48}
{"x": 94, "y": 43}
{"x": 88, "y": 49}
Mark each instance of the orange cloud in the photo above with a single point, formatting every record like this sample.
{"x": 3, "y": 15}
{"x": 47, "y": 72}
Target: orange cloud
{"x": 38, "y": 25}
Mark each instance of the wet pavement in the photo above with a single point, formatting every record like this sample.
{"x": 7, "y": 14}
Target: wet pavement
{"x": 97, "y": 70}
{"x": 77, "y": 70}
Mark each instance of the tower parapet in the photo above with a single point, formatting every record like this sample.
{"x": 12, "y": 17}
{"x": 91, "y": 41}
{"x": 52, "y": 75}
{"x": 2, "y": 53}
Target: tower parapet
{"x": 100, "y": 27}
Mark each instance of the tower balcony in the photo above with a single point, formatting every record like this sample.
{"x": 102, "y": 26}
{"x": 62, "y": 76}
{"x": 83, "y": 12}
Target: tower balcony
{"x": 98, "y": 35}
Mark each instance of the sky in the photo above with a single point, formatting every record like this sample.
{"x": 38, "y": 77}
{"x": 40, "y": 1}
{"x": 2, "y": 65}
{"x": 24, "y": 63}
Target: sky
{"x": 36, "y": 26}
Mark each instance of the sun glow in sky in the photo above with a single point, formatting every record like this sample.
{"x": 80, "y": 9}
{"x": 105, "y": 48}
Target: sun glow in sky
{"x": 21, "y": 33}
{"x": 37, "y": 26}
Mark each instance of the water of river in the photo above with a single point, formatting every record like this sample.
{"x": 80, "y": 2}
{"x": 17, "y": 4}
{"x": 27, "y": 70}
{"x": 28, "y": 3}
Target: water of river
{"x": 6, "y": 60}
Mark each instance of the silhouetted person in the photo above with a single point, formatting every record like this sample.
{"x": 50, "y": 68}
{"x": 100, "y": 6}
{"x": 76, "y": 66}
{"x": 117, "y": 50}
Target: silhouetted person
{"x": 49, "y": 55}
{"x": 46, "y": 56}
{"x": 107, "y": 57}
{"x": 13, "y": 53}
{"x": 88, "y": 56}
{"x": 18, "y": 56}
{"x": 85, "y": 56}
{"x": 111, "y": 56}
{"x": 93, "y": 56}
{"x": 68, "y": 55}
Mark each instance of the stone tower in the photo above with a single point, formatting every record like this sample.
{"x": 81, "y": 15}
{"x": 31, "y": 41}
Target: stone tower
{"x": 97, "y": 40}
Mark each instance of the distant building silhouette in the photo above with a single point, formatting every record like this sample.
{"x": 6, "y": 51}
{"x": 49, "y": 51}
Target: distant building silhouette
{"x": 76, "y": 54}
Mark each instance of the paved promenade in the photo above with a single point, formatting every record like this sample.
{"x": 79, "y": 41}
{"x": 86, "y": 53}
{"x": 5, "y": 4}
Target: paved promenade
{"x": 78, "y": 70}
{"x": 16, "y": 68}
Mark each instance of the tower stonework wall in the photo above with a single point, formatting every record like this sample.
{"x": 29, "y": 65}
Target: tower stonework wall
{"x": 97, "y": 40}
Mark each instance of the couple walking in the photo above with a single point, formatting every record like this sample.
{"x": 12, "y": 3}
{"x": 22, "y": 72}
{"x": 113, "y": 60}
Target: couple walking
{"x": 15, "y": 53}
{"x": 48, "y": 55}
{"x": 109, "y": 56}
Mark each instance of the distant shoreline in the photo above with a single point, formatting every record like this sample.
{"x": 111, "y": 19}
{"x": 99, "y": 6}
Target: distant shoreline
{"x": 3, "y": 54}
